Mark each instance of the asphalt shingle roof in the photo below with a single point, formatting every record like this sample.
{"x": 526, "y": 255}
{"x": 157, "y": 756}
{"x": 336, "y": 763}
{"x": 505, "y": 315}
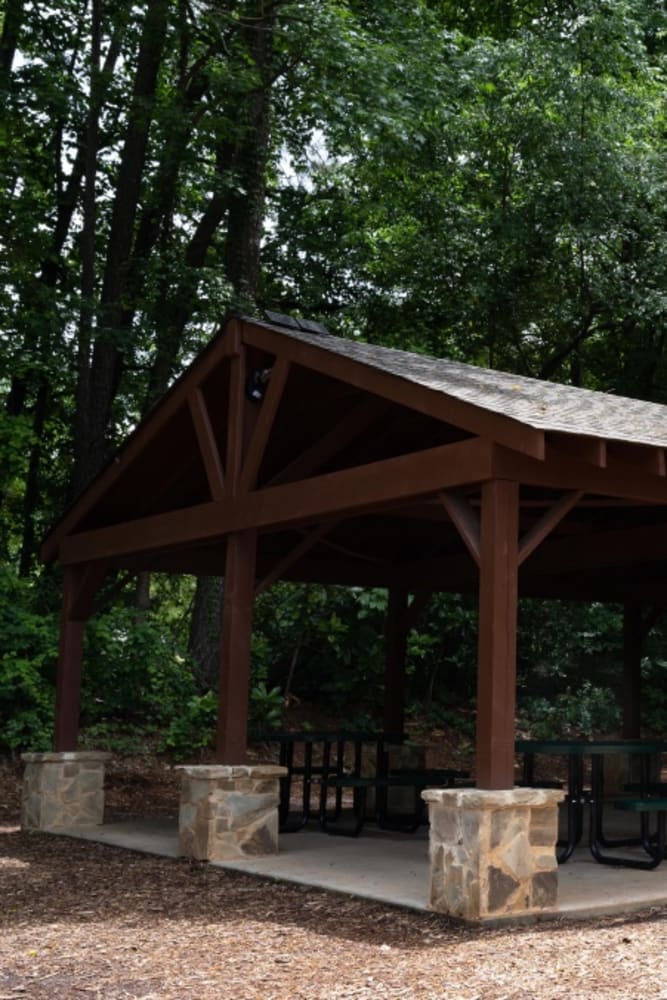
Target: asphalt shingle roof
{"x": 543, "y": 405}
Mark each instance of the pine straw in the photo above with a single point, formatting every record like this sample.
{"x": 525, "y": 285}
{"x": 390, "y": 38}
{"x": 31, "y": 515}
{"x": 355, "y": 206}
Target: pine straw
{"x": 85, "y": 920}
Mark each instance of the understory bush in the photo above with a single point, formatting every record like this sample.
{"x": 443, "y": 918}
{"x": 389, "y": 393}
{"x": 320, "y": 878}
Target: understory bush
{"x": 28, "y": 658}
{"x": 580, "y": 712}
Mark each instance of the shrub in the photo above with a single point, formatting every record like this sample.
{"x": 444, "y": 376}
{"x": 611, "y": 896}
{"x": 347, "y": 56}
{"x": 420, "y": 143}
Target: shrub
{"x": 29, "y": 643}
{"x": 580, "y": 712}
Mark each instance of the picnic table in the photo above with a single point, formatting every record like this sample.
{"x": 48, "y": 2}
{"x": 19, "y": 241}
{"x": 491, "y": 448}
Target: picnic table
{"x": 333, "y": 763}
{"x": 324, "y": 754}
{"x": 579, "y": 796}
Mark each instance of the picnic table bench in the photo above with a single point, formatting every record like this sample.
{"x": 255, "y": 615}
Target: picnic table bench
{"x": 654, "y": 845}
{"x": 332, "y": 763}
{"x": 407, "y": 822}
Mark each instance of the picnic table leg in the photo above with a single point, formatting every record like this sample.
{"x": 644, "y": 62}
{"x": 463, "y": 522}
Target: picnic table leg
{"x": 286, "y": 759}
{"x": 575, "y": 809}
{"x": 341, "y": 829}
{"x": 307, "y": 779}
{"x": 655, "y": 848}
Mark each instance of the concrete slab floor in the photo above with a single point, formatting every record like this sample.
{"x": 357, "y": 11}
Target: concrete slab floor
{"x": 393, "y": 868}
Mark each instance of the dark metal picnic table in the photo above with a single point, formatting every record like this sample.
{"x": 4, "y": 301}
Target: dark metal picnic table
{"x": 333, "y": 762}
{"x": 579, "y": 796}
{"x": 324, "y": 756}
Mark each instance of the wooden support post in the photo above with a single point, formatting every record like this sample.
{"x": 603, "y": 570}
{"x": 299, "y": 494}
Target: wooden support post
{"x": 632, "y": 670}
{"x": 496, "y": 679}
{"x": 237, "y": 608}
{"x": 80, "y": 585}
{"x": 394, "y": 679}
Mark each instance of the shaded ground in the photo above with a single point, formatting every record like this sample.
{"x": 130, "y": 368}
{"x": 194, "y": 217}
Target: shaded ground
{"x": 80, "y": 919}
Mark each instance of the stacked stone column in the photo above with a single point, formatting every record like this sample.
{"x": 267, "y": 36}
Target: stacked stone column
{"x": 493, "y": 853}
{"x": 229, "y": 812}
{"x": 63, "y": 790}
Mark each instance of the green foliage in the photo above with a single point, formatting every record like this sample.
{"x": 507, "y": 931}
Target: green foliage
{"x": 191, "y": 730}
{"x": 331, "y": 639}
{"x": 583, "y": 711}
{"x": 134, "y": 670}
{"x": 265, "y": 710}
{"x": 29, "y": 643}
{"x": 561, "y": 642}
{"x": 119, "y": 737}
{"x": 654, "y": 684}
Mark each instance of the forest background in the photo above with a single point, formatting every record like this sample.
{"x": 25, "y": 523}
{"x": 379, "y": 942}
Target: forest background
{"x": 482, "y": 181}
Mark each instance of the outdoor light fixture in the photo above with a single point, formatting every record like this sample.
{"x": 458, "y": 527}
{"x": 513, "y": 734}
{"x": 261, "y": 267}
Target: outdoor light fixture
{"x": 256, "y": 384}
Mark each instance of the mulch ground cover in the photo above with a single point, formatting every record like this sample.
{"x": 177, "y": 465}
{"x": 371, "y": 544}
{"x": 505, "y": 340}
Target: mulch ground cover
{"x": 85, "y": 920}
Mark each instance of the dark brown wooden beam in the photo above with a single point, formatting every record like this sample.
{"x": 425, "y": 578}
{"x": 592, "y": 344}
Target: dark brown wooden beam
{"x": 546, "y": 524}
{"x": 431, "y": 402}
{"x": 588, "y": 449}
{"x": 465, "y": 520}
{"x": 352, "y": 425}
{"x": 220, "y": 349}
{"x": 263, "y": 425}
{"x": 78, "y": 592}
{"x": 642, "y": 457}
{"x": 292, "y": 557}
{"x": 599, "y": 550}
{"x": 237, "y": 608}
{"x": 236, "y": 429}
{"x": 566, "y": 472}
{"x": 344, "y": 492}
{"x": 208, "y": 446}
{"x": 496, "y": 679}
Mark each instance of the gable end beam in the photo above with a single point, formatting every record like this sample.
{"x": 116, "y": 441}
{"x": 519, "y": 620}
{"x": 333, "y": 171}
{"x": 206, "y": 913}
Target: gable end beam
{"x": 465, "y": 520}
{"x": 348, "y": 492}
{"x": 218, "y": 352}
{"x": 263, "y": 425}
{"x": 353, "y": 424}
{"x": 433, "y": 403}
{"x": 293, "y": 556}
{"x": 546, "y": 524}
{"x": 208, "y": 445}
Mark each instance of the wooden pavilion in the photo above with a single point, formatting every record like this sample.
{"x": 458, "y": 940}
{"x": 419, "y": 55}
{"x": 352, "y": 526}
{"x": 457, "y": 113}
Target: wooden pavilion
{"x": 284, "y": 452}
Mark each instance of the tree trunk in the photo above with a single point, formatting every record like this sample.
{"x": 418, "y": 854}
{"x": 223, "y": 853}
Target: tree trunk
{"x": 11, "y": 27}
{"x": 242, "y": 256}
{"x": 107, "y": 360}
{"x": 204, "y": 641}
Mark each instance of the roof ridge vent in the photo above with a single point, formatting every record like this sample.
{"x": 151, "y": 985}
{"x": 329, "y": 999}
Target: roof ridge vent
{"x": 295, "y": 322}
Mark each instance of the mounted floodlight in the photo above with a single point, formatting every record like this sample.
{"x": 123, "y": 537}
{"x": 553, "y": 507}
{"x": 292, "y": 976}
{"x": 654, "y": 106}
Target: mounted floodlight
{"x": 255, "y": 385}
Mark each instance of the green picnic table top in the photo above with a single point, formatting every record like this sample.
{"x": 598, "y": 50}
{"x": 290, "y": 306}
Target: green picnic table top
{"x": 581, "y": 747}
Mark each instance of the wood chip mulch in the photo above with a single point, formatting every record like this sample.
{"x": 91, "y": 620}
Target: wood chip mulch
{"x": 85, "y": 920}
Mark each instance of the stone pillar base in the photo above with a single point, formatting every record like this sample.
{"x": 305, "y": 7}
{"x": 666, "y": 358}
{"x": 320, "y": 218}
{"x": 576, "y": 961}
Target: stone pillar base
{"x": 229, "y": 812}
{"x": 62, "y": 790}
{"x": 493, "y": 853}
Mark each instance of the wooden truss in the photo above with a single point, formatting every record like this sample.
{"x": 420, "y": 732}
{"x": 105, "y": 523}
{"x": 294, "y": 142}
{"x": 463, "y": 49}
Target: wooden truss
{"x": 275, "y": 457}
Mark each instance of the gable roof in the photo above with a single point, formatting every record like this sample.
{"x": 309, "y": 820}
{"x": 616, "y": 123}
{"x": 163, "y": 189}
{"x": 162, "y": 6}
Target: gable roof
{"x": 547, "y": 406}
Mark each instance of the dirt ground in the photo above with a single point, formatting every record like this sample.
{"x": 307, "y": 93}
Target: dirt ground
{"x": 81, "y": 919}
